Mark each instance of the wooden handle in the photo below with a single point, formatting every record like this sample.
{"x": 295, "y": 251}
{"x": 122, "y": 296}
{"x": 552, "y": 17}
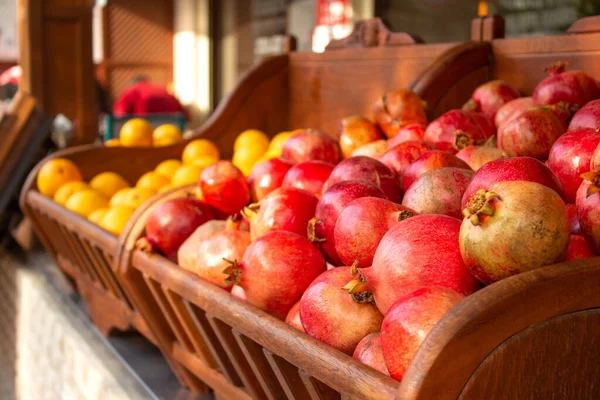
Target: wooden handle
{"x": 373, "y": 33}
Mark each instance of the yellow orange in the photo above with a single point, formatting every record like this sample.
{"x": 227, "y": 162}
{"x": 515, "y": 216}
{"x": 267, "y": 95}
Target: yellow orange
{"x": 86, "y": 202}
{"x": 204, "y": 162}
{"x": 252, "y": 138}
{"x": 276, "y": 144}
{"x": 166, "y": 187}
{"x": 97, "y": 215}
{"x": 55, "y": 173}
{"x": 199, "y": 148}
{"x": 245, "y": 159}
{"x": 166, "y": 135}
{"x": 116, "y": 218}
{"x": 186, "y": 175}
{"x": 108, "y": 183}
{"x": 137, "y": 196}
{"x": 168, "y": 168}
{"x": 65, "y": 191}
{"x": 152, "y": 180}
{"x": 112, "y": 143}
{"x": 119, "y": 197}
{"x": 136, "y": 132}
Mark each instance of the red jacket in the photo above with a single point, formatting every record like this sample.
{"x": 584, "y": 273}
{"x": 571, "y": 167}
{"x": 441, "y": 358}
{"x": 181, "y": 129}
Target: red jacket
{"x": 145, "y": 98}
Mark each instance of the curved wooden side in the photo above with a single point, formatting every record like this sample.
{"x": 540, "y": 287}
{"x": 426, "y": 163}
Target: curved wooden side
{"x": 483, "y": 324}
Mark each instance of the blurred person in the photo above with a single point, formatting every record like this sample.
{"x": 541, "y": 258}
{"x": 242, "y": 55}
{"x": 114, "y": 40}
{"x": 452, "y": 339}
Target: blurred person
{"x": 141, "y": 97}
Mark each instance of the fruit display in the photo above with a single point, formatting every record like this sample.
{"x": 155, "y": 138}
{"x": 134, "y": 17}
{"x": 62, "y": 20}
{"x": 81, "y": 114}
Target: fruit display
{"x": 137, "y": 132}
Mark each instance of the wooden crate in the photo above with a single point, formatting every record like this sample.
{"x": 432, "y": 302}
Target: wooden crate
{"x": 530, "y": 336}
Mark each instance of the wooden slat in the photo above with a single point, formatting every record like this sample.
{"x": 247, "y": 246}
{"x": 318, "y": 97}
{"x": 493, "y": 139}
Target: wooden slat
{"x": 317, "y": 390}
{"x": 288, "y": 377}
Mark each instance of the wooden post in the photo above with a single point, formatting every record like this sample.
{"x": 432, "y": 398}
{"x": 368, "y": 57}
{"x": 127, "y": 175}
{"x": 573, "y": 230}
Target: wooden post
{"x": 55, "y": 40}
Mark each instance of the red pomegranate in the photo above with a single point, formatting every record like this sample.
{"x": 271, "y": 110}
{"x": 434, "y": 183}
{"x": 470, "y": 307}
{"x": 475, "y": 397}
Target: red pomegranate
{"x": 573, "y": 219}
{"x": 531, "y": 134}
{"x": 329, "y": 207}
{"x": 309, "y": 176}
{"x": 422, "y": 250}
{"x": 457, "y": 129}
{"x": 512, "y": 109}
{"x": 229, "y": 244}
{"x": 490, "y": 97}
{"x": 428, "y": 161}
{"x": 368, "y": 351}
{"x": 224, "y": 187}
{"x": 308, "y": 145}
{"x": 439, "y": 191}
{"x": 356, "y": 131}
{"x": 397, "y": 109}
{"x": 399, "y": 157}
{"x": 333, "y": 316}
{"x": 366, "y": 169}
{"x": 511, "y": 169}
{"x": 361, "y": 225}
{"x": 587, "y": 117}
{"x": 494, "y": 247}
{"x": 188, "y": 251}
{"x": 238, "y": 293}
{"x": 293, "y": 318}
{"x": 562, "y": 111}
{"x": 285, "y": 209}
{"x": 573, "y": 87}
{"x": 408, "y": 323}
{"x": 276, "y": 270}
{"x": 588, "y": 204}
{"x": 570, "y": 156}
{"x": 478, "y": 156}
{"x": 408, "y": 133}
{"x": 373, "y": 150}
{"x": 266, "y": 177}
{"x": 578, "y": 249}
{"x": 171, "y": 223}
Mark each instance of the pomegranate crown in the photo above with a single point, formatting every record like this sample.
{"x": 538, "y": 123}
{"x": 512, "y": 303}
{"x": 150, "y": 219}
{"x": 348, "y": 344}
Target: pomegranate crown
{"x": 311, "y": 231}
{"x": 557, "y": 67}
{"x": 357, "y": 287}
{"x": 233, "y": 272}
{"x": 480, "y": 205}
{"x": 465, "y": 139}
{"x": 594, "y": 178}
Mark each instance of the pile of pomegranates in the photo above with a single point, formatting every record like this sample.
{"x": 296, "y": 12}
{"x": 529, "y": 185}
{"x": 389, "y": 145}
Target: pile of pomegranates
{"x": 367, "y": 241}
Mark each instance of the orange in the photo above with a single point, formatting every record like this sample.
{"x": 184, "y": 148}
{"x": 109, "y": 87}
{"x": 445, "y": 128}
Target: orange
{"x": 276, "y": 144}
{"x": 253, "y": 138}
{"x": 119, "y": 197}
{"x": 186, "y": 175}
{"x": 97, "y": 215}
{"x": 136, "y": 132}
{"x": 199, "y": 148}
{"x": 152, "y": 180}
{"x": 166, "y": 187}
{"x": 245, "y": 159}
{"x": 116, "y": 218}
{"x": 137, "y": 196}
{"x": 204, "y": 162}
{"x": 86, "y": 202}
{"x": 112, "y": 143}
{"x": 54, "y": 173}
{"x": 166, "y": 135}
{"x": 65, "y": 191}
{"x": 168, "y": 168}
{"x": 108, "y": 183}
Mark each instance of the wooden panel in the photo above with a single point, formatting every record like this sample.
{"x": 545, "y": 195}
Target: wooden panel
{"x": 557, "y": 359}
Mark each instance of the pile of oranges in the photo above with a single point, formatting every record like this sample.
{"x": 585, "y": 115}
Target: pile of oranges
{"x": 138, "y": 132}
{"x": 253, "y": 146}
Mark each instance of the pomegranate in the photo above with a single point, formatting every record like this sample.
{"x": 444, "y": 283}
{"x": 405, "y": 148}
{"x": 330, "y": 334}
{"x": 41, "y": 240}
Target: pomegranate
{"x": 399, "y": 157}
{"x": 562, "y": 111}
{"x": 373, "y": 150}
{"x": 512, "y": 169}
{"x": 428, "y": 161}
{"x": 408, "y": 133}
{"x": 494, "y": 246}
{"x": 490, "y": 97}
{"x": 478, "y": 156}
{"x": 238, "y": 293}
{"x": 578, "y": 249}
{"x": 229, "y": 244}
{"x": 457, "y": 129}
{"x": 367, "y": 170}
{"x": 573, "y": 219}
{"x": 587, "y": 117}
{"x": 531, "y": 134}
{"x": 422, "y": 250}
{"x": 512, "y": 109}
{"x": 172, "y": 222}
{"x": 276, "y": 269}
{"x": 224, "y": 187}
{"x": 368, "y": 351}
{"x": 397, "y": 109}
{"x": 361, "y": 225}
{"x": 330, "y": 314}
{"x": 408, "y": 323}
{"x": 266, "y": 177}
{"x": 588, "y": 204}
{"x": 329, "y": 207}
{"x": 309, "y": 176}
{"x": 573, "y": 87}
{"x": 285, "y": 209}
{"x": 308, "y": 145}
{"x": 188, "y": 251}
{"x": 355, "y": 132}
{"x": 439, "y": 191}
{"x": 595, "y": 161}
{"x": 570, "y": 156}
{"x": 293, "y": 318}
